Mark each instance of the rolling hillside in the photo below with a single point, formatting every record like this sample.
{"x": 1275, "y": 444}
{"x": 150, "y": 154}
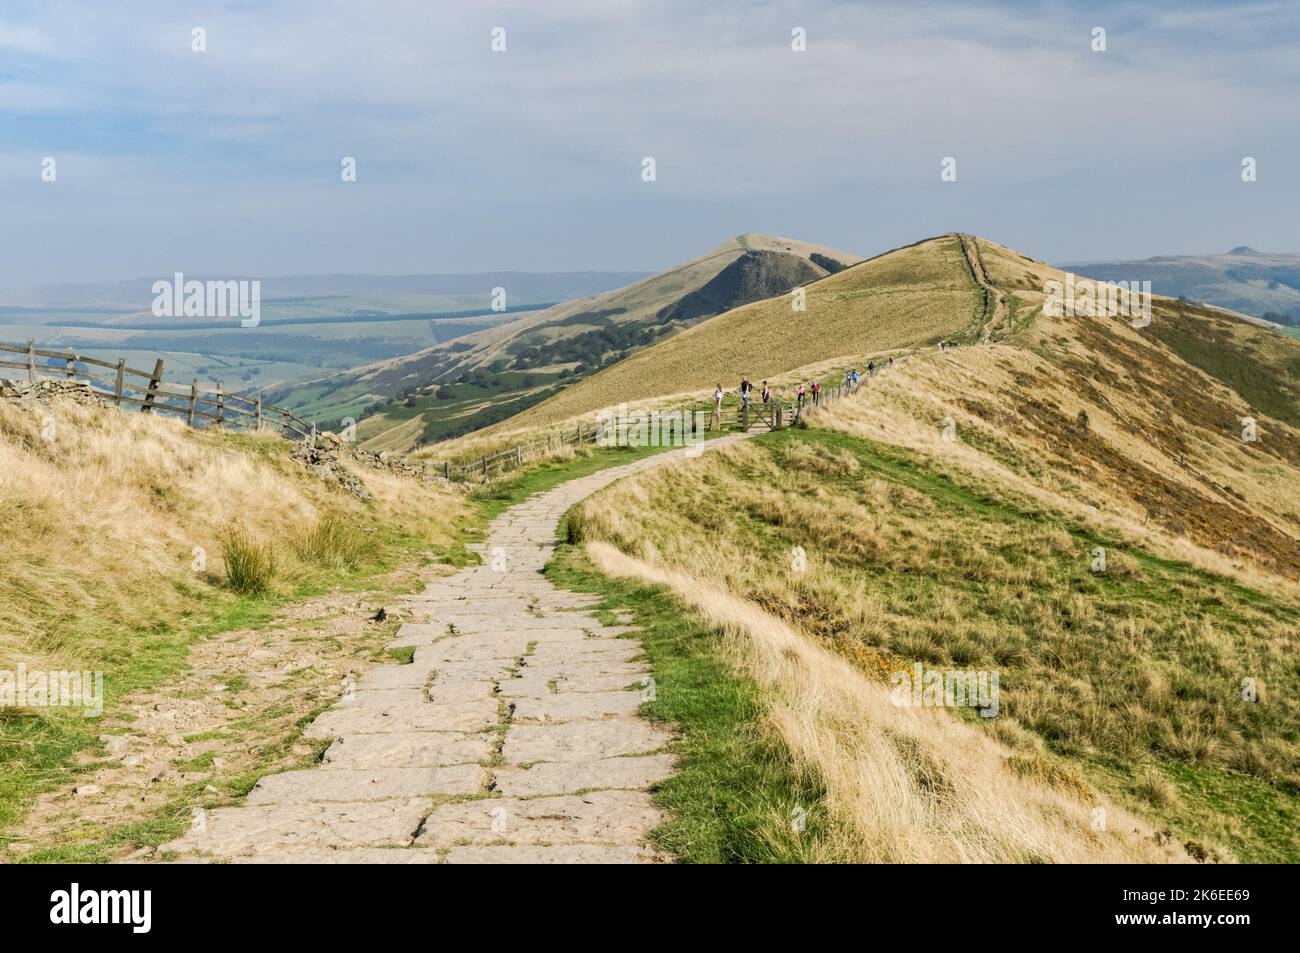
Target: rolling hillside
{"x": 310, "y": 325}
{"x": 1257, "y": 283}
{"x": 479, "y": 379}
{"x": 903, "y": 298}
{"x": 1156, "y": 678}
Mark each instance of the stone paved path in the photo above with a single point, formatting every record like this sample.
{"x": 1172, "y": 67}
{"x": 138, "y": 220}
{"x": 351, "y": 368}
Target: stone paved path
{"x": 513, "y": 736}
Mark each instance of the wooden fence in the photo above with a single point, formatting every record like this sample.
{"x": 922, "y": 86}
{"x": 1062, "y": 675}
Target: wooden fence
{"x": 152, "y": 393}
{"x": 148, "y": 390}
{"x": 775, "y": 415}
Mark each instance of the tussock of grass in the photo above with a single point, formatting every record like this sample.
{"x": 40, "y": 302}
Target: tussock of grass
{"x": 337, "y": 542}
{"x": 1156, "y": 790}
{"x": 250, "y": 565}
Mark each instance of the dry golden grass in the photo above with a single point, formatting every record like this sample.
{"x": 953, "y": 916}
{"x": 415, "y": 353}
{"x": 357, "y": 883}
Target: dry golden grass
{"x": 902, "y": 785}
{"x": 900, "y": 299}
{"x": 1181, "y": 485}
{"x": 105, "y": 524}
{"x": 640, "y": 301}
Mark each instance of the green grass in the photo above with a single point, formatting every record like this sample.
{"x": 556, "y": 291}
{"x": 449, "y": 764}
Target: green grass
{"x": 1140, "y": 665}
{"x": 733, "y": 796}
{"x": 501, "y": 494}
{"x": 38, "y": 749}
{"x": 1256, "y": 363}
{"x": 250, "y": 566}
{"x": 1213, "y": 805}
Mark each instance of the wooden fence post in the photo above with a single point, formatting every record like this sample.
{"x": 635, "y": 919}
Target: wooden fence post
{"x": 154, "y": 380}
{"x": 221, "y": 405}
{"x": 779, "y": 415}
{"x": 194, "y": 396}
{"x": 259, "y": 413}
{"x": 579, "y": 431}
{"x": 117, "y": 389}
{"x": 31, "y": 360}
{"x": 446, "y": 471}
{"x": 72, "y": 360}
{"x": 313, "y": 433}
{"x": 519, "y": 455}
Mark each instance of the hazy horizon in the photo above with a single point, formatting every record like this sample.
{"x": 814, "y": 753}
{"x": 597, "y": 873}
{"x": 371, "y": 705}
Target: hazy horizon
{"x": 227, "y": 161}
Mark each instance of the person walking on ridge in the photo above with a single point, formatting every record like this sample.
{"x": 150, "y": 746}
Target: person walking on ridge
{"x": 715, "y": 422}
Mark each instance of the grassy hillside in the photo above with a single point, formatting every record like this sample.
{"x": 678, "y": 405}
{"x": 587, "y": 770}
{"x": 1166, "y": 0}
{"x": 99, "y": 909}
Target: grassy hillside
{"x": 561, "y": 345}
{"x": 310, "y": 326}
{"x": 906, "y": 297}
{"x": 1246, "y": 280}
{"x": 1118, "y": 686}
{"x": 128, "y": 536}
{"x": 1122, "y": 687}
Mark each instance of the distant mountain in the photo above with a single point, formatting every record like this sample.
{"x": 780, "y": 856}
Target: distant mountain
{"x": 478, "y": 379}
{"x": 313, "y": 295}
{"x": 1243, "y": 279}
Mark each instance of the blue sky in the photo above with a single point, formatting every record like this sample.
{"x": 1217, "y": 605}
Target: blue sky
{"x": 227, "y": 161}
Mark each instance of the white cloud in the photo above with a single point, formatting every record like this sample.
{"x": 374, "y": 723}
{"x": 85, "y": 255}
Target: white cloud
{"x": 438, "y": 122}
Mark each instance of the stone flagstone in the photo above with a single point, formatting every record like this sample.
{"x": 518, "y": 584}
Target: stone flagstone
{"x": 512, "y": 737}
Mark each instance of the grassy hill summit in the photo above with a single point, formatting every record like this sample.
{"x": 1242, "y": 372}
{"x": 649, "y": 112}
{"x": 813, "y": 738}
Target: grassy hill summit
{"x": 1101, "y": 511}
{"x": 479, "y": 379}
{"x": 907, "y": 297}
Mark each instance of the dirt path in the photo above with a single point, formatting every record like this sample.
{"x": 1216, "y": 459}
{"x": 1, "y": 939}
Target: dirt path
{"x": 970, "y": 248}
{"x": 512, "y": 736}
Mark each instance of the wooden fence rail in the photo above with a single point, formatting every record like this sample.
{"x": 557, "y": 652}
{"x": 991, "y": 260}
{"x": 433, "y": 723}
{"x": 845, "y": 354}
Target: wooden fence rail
{"x": 160, "y": 395}
{"x": 776, "y": 415}
{"x": 152, "y": 393}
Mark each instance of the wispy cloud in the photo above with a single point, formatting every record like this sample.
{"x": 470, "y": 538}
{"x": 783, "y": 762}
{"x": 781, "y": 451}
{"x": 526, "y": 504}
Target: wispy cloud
{"x": 530, "y": 158}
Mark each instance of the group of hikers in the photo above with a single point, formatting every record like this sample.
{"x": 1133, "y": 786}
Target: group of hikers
{"x": 807, "y": 392}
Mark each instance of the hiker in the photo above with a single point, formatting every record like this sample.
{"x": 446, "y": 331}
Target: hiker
{"x": 817, "y": 392}
{"x": 871, "y": 367}
{"x": 745, "y": 388}
{"x": 715, "y": 422}
{"x": 891, "y": 360}
{"x": 941, "y": 347}
{"x": 855, "y": 378}
{"x": 848, "y": 378}
{"x": 767, "y": 395}
{"x": 803, "y": 392}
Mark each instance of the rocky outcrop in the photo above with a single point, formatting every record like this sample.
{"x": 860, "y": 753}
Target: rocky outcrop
{"x": 45, "y": 390}
{"x": 325, "y": 455}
